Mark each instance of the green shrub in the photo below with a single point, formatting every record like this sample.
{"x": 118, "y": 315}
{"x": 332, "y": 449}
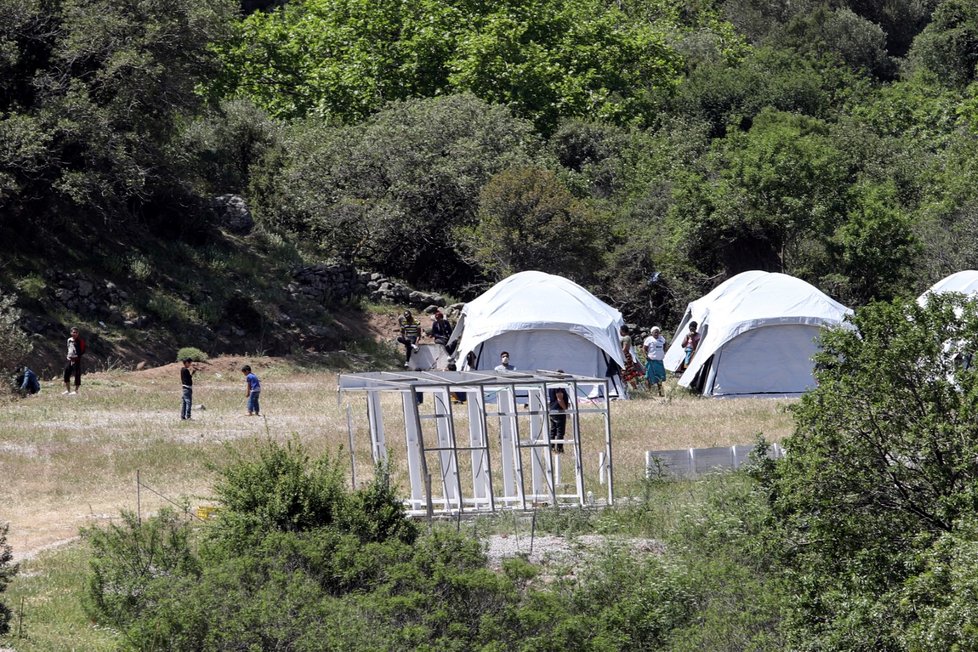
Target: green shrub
{"x": 134, "y": 563}
{"x": 191, "y": 352}
{"x": 14, "y": 343}
{"x": 297, "y": 561}
{"x": 7, "y": 572}
{"x": 32, "y": 286}
{"x": 284, "y": 490}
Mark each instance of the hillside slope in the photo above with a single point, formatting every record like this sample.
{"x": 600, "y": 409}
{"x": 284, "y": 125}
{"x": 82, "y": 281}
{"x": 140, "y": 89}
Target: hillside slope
{"x": 139, "y": 299}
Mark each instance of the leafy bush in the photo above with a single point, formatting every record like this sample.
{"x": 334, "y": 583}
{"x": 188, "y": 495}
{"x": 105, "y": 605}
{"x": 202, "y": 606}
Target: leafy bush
{"x": 297, "y": 561}
{"x": 191, "y": 352}
{"x": 32, "y": 286}
{"x": 7, "y": 572}
{"x": 135, "y": 564}
{"x": 881, "y": 466}
{"x": 14, "y": 343}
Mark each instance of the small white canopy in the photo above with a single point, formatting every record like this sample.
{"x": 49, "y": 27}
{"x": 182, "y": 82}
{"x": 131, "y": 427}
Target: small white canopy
{"x": 965, "y": 282}
{"x": 544, "y": 322}
{"x": 758, "y": 333}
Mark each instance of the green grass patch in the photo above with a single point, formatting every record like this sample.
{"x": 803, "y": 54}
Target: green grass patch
{"x": 46, "y": 597}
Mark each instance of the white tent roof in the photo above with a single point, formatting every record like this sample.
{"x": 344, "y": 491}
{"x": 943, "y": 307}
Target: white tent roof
{"x": 965, "y": 282}
{"x": 748, "y": 301}
{"x": 528, "y": 304}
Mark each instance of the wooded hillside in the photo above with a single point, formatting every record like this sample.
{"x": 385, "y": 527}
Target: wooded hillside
{"x": 648, "y": 149}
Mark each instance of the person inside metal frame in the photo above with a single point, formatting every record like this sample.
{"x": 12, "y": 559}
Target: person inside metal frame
{"x": 557, "y": 397}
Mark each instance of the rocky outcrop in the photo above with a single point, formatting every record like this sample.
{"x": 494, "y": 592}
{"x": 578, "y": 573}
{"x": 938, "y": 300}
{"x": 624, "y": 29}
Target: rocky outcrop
{"x": 326, "y": 284}
{"x": 386, "y": 290}
{"x": 329, "y": 284}
{"x": 92, "y": 298}
{"x": 232, "y": 214}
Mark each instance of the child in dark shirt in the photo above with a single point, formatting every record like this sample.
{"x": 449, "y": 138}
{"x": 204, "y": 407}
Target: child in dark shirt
{"x": 254, "y": 390}
{"x": 187, "y": 382}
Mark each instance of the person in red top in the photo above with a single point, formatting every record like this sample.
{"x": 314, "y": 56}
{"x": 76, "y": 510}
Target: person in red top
{"x": 76, "y": 349}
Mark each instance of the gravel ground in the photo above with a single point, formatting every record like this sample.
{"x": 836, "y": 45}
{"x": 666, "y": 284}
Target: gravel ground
{"x": 549, "y": 549}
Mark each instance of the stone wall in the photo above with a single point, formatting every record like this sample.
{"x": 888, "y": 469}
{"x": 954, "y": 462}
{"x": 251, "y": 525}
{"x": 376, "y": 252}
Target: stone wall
{"x": 92, "y": 298}
{"x": 329, "y": 284}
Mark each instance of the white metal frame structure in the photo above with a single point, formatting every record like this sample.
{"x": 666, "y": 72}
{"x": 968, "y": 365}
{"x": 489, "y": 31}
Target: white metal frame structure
{"x": 527, "y": 471}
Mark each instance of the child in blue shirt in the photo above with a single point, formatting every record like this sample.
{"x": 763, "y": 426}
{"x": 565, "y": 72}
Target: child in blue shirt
{"x": 254, "y": 390}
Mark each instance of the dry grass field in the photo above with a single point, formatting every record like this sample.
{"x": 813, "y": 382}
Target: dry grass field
{"x": 71, "y": 461}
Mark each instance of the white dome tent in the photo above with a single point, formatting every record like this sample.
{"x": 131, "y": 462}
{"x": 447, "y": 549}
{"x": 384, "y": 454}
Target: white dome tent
{"x": 965, "y": 282}
{"x": 545, "y": 322}
{"x": 758, "y": 332}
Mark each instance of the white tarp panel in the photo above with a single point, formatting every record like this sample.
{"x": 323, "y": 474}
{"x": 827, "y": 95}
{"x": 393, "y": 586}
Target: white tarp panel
{"x": 742, "y": 369}
{"x": 545, "y": 322}
{"x": 747, "y": 302}
{"x": 547, "y": 349}
{"x": 429, "y": 356}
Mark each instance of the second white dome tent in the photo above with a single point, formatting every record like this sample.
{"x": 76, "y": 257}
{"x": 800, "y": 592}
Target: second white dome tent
{"x": 758, "y": 331}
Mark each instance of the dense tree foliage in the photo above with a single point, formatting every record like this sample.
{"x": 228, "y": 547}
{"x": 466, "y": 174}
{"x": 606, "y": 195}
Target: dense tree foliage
{"x": 877, "y": 490}
{"x": 545, "y": 59}
{"x": 91, "y": 96}
{"x": 389, "y": 192}
{"x": 613, "y": 142}
{"x": 528, "y": 219}
{"x": 8, "y": 570}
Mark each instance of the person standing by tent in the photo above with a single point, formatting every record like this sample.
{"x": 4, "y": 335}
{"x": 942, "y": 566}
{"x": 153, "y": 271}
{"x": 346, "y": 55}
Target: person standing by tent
{"x": 557, "y": 397}
{"x": 655, "y": 353}
{"x": 76, "y": 349}
{"x": 441, "y": 329}
{"x": 504, "y": 363}
{"x": 630, "y": 372}
{"x": 690, "y": 341}
{"x": 410, "y": 335}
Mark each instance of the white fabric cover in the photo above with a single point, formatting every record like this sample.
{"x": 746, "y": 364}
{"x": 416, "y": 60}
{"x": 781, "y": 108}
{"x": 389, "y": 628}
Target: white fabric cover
{"x": 965, "y": 282}
{"x": 757, "y": 332}
{"x": 545, "y": 322}
{"x": 428, "y": 357}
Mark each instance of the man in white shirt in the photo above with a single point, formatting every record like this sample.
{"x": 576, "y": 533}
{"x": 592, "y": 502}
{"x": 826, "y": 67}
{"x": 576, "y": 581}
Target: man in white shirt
{"x": 655, "y": 352}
